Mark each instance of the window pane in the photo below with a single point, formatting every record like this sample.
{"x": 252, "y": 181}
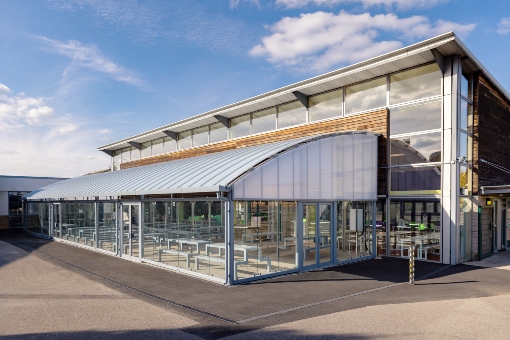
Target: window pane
{"x": 465, "y": 146}
{"x": 418, "y": 221}
{"x": 157, "y": 146}
{"x": 169, "y": 144}
{"x": 365, "y": 96}
{"x": 219, "y": 132}
{"x": 135, "y": 153}
{"x": 185, "y": 140}
{"x": 416, "y": 149}
{"x": 421, "y": 181}
{"x": 418, "y": 83}
{"x": 263, "y": 121}
{"x": 126, "y": 154}
{"x": 146, "y": 149}
{"x": 466, "y": 116}
{"x": 464, "y": 87}
{"x": 420, "y": 117}
{"x": 201, "y": 136}
{"x": 465, "y": 180}
{"x": 116, "y": 159}
{"x": 325, "y": 105}
{"x": 291, "y": 114}
{"x": 240, "y": 126}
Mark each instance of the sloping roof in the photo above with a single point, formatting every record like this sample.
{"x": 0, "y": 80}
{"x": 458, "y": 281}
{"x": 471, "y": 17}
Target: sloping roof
{"x": 207, "y": 173}
{"x": 417, "y": 54}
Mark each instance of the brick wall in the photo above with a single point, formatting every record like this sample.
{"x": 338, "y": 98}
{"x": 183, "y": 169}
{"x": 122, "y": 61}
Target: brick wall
{"x": 373, "y": 121}
{"x": 491, "y": 135}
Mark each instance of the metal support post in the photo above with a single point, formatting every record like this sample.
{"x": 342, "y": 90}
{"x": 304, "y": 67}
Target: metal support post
{"x": 411, "y": 264}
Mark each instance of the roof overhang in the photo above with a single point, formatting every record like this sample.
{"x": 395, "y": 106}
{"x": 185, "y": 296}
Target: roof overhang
{"x": 417, "y": 54}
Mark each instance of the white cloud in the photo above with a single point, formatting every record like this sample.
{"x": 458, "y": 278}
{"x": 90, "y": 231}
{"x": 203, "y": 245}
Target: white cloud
{"x": 504, "y": 26}
{"x": 17, "y": 110}
{"x": 400, "y": 4}
{"x": 321, "y": 40}
{"x": 235, "y": 3}
{"x": 37, "y": 141}
{"x": 103, "y": 131}
{"x": 90, "y": 57}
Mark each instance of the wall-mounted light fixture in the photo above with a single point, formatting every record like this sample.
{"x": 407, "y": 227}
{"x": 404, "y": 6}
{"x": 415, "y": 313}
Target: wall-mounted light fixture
{"x": 488, "y": 201}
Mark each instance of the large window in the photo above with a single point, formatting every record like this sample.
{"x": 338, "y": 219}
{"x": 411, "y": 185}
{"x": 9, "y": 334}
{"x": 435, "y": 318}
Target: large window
{"x": 418, "y": 222}
{"x": 415, "y": 149}
{"x": 185, "y": 140}
{"x": 240, "y": 126}
{"x": 290, "y": 114}
{"x": 219, "y": 132}
{"x": 263, "y": 121}
{"x": 146, "y": 149}
{"x": 365, "y": 96}
{"x": 326, "y": 105}
{"x": 16, "y": 208}
{"x": 416, "y": 181}
{"x": 169, "y": 144}
{"x": 415, "y": 118}
{"x": 157, "y": 146}
{"x": 201, "y": 136}
{"x": 417, "y": 83}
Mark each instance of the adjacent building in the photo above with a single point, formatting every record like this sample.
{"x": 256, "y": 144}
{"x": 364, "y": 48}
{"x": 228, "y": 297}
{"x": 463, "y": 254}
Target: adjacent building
{"x": 406, "y": 149}
{"x": 12, "y": 189}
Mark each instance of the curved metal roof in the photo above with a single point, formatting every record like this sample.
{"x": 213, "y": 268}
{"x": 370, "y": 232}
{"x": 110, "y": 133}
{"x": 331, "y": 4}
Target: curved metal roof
{"x": 207, "y": 173}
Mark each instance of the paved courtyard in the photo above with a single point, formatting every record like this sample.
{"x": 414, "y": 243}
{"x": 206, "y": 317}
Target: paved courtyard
{"x": 54, "y": 290}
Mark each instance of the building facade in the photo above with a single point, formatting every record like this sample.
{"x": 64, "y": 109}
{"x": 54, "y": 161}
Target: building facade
{"x": 12, "y": 189}
{"x": 408, "y": 148}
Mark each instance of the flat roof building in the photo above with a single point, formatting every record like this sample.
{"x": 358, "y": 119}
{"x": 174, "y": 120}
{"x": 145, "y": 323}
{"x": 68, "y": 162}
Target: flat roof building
{"x": 408, "y": 148}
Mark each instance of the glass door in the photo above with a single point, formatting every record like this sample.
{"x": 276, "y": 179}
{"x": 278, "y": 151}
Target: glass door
{"x": 507, "y": 224}
{"x": 316, "y": 234}
{"x": 130, "y": 230}
{"x": 56, "y": 221}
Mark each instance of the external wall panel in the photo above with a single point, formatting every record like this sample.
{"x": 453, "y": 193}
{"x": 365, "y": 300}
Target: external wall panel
{"x": 341, "y": 167}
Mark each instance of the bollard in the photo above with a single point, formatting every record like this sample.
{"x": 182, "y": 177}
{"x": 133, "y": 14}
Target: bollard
{"x": 411, "y": 264}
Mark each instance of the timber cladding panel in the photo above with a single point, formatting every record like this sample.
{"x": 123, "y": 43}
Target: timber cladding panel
{"x": 372, "y": 121}
{"x": 491, "y": 135}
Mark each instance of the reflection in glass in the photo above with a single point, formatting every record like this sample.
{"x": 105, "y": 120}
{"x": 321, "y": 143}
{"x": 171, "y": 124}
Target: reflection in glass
{"x": 201, "y": 136}
{"x": 465, "y": 146}
{"x": 365, "y": 96}
{"x": 263, "y": 121}
{"x": 354, "y": 230}
{"x": 157, "y": 146}
{"x": 417, "y": 83}
{"x": 291, "y": 114}
{"x": 415, "y": 221}
{"x": 416, "y": 149}
{"x": 146, "y": 149}
{"x": 135, "y": 153}
{"x": 419, "y": 117}
{"x": 240, "y": 126}
{"x": 107, "y": 226}
{"x": 465, "y": 88}
{"x": 219, "y": 132}
{"x": 466, "y": 116}
{"x": 126, "y": 154}
{"x": 421, "y": 180}
{"x": 185, "y": 140}
{"x": 381, "y": 222}
{"x": 116, "y": 159}
{"x": 465, "y": 177}
{"x": 326, "y": 105}
{"x": 169, "y": 145}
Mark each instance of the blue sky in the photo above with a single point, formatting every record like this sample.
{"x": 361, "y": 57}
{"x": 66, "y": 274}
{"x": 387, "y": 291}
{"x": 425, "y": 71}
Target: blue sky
{"x": 78, "y": 74}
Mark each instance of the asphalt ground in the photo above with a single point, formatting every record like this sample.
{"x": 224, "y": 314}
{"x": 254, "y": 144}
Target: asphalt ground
{"x": 141, "y": 300}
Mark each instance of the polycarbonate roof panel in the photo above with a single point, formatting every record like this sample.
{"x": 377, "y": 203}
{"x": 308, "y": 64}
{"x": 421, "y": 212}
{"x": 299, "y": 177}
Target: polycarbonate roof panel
{"x": 207, "y": 173}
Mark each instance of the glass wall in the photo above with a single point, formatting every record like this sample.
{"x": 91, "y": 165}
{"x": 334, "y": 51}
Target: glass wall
{"x": 415, "y": 221}
{"x": 169, "y": 145}
{"x": 240, "y": 126}
{"x": 107, "y": 226}
{"x": 354, "y": 230}
{"x": 16, "y": 208}
{"x": 185, "y": 140}
{"x": 185, "y": 234}
{"x": 291, "y": 114}
{"x": 38, "y": 218}
{"x": 263, "y": 121}
{"x": 219, "y": 132}
{"x": 365, "y": 96}
{"x": 381, "y": 222}
{"x": 146, "y": 149}
{"x": 417, "y": 83}
{"x": 78, "y": 222}
{"x": 265, "y": 238}
{"x": 201, "y": 136}
{"x": 326, "y": 105}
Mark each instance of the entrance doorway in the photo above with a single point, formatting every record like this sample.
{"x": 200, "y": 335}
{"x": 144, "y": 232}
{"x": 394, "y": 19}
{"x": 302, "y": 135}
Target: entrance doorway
{"x": 56, "y": 221}
{"x": 317, "y": 226}
{"x": 486, "y": 232}
{"x": 130, "y": 245}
